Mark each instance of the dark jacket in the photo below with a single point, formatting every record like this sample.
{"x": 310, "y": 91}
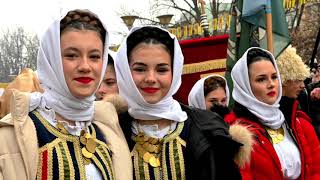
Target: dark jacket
{"x": 210, "y": 149}
{"x": 311, "y": 107}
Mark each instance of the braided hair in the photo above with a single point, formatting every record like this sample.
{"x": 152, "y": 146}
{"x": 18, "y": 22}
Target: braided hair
{"x": 150, "y": 35}
{"x": 213, "y": 83}
{"x": 82, "y": 20}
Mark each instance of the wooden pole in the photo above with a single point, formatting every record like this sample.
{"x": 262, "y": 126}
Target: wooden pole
{"x": 269, "y": 27}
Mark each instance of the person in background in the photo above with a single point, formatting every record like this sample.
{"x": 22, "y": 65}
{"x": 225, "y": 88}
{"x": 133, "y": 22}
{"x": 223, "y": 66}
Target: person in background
{"x": 293, "y": 72}
{"x": 109, "y": 83}
{"x": 284, "y": 148}
{"x": 62, "y": 133}
{"x": 169, "y": 140}
{"x": 210, "y": 93}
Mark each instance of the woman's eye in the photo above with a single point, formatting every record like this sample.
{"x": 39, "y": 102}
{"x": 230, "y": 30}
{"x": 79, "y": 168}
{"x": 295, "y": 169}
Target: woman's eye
{"x": 214, "y": 102}
{"x": 95, "y": 57}
{"x": 274, "y": 77}
{"x": 111, "y": 83}
{"x": 71, "y": 55}
{"x": 162, "y": 70}
{"x": 138, "y": 69}
{"x": 260, "y": 79}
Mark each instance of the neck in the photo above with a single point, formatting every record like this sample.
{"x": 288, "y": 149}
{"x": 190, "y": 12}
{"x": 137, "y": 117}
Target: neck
{"x": 162, "y": 123}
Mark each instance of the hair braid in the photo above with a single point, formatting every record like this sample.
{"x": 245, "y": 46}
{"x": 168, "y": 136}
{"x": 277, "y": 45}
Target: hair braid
{"x": 78, "y": 19}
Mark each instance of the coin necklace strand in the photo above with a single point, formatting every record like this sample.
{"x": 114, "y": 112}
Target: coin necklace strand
{"x": 149, "y": 148}
{"x": 277, "y": 135}
{"x": 86, "y": 139}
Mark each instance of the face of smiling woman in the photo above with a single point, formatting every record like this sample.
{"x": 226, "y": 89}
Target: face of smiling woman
{"x": 151, "y": 70}
{"x": 82, "y": 53}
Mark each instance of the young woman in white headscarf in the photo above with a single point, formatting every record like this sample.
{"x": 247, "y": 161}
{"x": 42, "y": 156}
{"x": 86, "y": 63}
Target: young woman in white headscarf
{"x": 284, "y": 148}
{"x": 167, "y": 140}
{"x": 61, "y": 134}
{"x": 210, "y": 93}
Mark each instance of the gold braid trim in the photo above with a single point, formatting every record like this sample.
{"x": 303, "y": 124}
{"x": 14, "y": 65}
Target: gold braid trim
{"x": 39, "y": 172}
{"x": 71, "y": 167}
{"x": 106, "y": 159}
{"x": 97, "y": 162}
{"x": 181, "y": 158}
{"x": 50, "y": 158}
{"x": 174, "y": 134}
{"x": 60, "y": 162}
{"x": 80, "y": 160}
{"x": 181, "y": 141}
{"x": 54, "y": 131}
{"x": 136, "y": 164}
{"x": 204, "y": 66}
{"x": 172, "y": 161}
{"x": 164, "y": 164}
{"x": 50, "y": 145}
{"x": 214, "y": 73}
{"x": 157, "y": 173}
{"x": 146, "y": 171}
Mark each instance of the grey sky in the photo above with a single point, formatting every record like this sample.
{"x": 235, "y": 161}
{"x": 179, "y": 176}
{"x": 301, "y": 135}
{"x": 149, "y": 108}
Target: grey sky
{"x": 35, "y": 15}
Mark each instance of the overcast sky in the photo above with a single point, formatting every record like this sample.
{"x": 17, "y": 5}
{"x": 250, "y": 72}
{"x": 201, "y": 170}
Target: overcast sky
{"x": 36, "y": 15}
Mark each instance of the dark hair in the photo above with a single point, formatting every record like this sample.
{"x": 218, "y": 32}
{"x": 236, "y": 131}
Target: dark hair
{"x": 213, "y": 83}
{"x": 81, "y": 20}
{"x": 150, "y": 35}
{"x": 110, "y": 60}
{"x": 256, "y": 54}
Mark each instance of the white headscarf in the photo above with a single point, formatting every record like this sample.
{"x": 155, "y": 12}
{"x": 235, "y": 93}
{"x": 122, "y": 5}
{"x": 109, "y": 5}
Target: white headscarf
{"x": 269, "y": 115}
{"x": 167, "y": 108}
{"x": 50, "y": 72}
{"x": 196, "y": 96}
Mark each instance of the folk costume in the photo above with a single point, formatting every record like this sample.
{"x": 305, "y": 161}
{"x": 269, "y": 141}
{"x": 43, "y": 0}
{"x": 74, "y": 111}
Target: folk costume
{"x": 39, "y": 146}
{"x": 196, "y": 145}
{"x": 282, "y": 148}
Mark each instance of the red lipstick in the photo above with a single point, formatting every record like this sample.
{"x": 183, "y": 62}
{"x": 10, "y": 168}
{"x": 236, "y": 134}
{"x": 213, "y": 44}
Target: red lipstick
{"x": 271, "y": 93}
{"x": 150, "y": 90}
{"x": 84, "y": 80}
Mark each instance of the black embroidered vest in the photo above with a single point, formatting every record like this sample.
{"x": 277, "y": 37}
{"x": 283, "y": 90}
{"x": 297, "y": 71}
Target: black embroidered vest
{"x": 60, "y": 154}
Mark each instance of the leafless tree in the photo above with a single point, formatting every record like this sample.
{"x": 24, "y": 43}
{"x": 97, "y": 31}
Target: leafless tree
{"x": 304, "y": 35}
{"x": 18, "y": 50}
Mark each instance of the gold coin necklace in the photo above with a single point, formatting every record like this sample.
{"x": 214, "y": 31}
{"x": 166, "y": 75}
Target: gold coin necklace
{"x": 149, "y": 149}
{"x": 89, "y": 146}
{"x": 86, "y": 140}
{"x": 277, "y": 135}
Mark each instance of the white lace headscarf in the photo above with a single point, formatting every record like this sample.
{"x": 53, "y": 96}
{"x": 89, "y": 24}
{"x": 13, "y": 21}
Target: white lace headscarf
{"x": 50, "y": 72}
{"x": 196, "y": 96}
{"x": 167, "y": 107}
{"x": 269, "y": 115}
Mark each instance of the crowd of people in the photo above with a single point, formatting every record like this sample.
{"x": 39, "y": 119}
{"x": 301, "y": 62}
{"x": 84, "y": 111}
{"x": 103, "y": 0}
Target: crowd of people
{"x": 90, "y": 113}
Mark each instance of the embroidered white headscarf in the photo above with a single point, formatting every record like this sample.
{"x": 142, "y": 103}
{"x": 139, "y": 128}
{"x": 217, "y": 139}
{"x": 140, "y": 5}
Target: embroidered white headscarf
{"x": 196, "y": 96}
{"x": 167, "y": 108}
{"x": 269, "y": 115}
{"x": 50, "y": 72}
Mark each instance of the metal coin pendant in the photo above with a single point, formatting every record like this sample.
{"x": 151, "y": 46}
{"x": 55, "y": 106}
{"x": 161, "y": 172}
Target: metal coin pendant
{"x": 85, "y": 153}
{"x": 91, "y": 145}
{"x": 146, "y": 157}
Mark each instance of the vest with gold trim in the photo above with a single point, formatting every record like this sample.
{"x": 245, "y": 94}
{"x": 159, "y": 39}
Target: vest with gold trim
{"x": 171, "y": 164}
{"x": 60, "y": 154}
